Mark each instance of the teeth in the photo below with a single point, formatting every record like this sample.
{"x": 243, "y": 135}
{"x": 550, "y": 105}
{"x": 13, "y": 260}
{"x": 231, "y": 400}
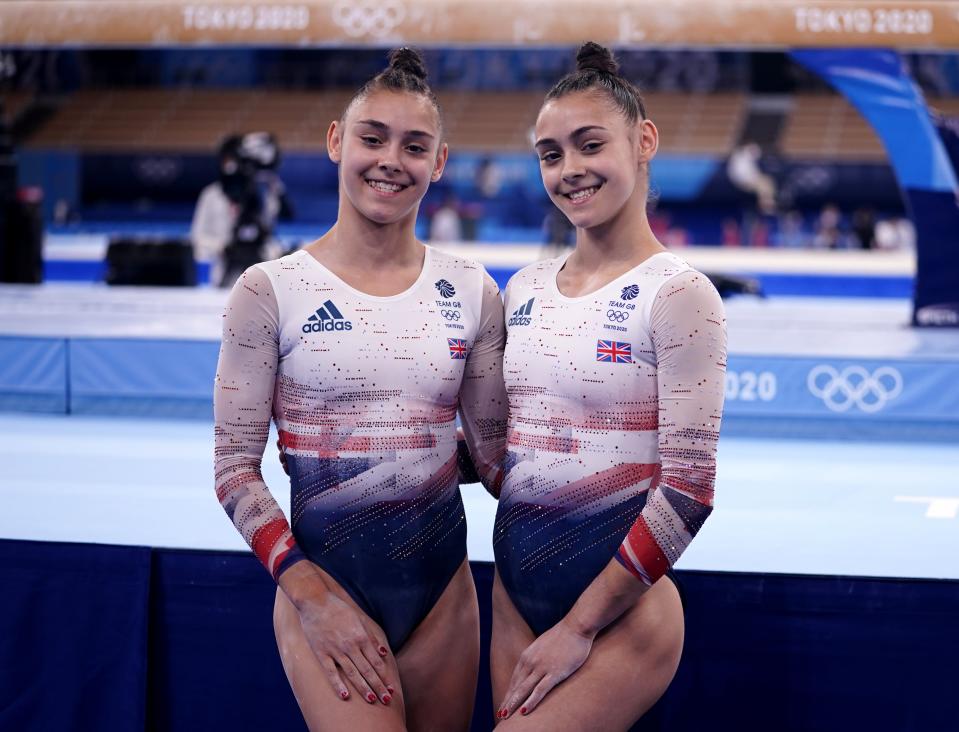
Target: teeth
{"x": 383, "y": 186}
{"x": 585, "y": 193}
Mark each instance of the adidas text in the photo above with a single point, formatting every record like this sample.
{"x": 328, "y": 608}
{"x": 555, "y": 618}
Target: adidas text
{"x": 325, "y": 326}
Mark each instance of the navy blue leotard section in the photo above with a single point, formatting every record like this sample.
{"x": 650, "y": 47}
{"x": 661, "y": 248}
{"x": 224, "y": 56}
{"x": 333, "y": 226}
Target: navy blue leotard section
{"x": 394, "y": 557}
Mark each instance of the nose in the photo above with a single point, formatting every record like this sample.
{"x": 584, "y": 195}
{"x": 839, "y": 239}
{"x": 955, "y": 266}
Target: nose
{"x": 389, "y": 160}
{"x": 573, "y": 169}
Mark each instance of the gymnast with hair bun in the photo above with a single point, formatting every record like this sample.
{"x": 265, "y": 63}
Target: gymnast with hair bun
{"x": 614, "y": 367}
{"x": 362, "y": 347}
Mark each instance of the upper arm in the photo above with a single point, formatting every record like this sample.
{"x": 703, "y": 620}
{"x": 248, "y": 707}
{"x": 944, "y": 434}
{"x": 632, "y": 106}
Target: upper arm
{"x": 483, "y": 402}
{"x": 688, "y": 329}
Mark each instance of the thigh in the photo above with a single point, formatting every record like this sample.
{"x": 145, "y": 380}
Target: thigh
{"x": 511, "y": 636}
{"x": 439, "y": 663}
{"x": 322, "y": 709}
{"x": 630, "y": 666}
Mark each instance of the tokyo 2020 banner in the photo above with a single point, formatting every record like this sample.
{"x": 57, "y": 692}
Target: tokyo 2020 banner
{"x": 734, "y": 23}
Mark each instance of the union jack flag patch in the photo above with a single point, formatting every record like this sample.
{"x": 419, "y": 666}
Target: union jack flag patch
{"x": 458, "y": 347}
{"x": 614, "y": 352}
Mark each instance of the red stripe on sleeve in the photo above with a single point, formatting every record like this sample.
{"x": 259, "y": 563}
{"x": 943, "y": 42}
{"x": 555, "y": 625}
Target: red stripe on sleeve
{"x": 646, "y": 550}
{"x": 265, "y": 538}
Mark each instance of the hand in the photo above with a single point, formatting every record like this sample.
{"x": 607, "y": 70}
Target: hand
{"x": 286, "y": 468}
{"x": 550, "y": 659}
{"x": 342, "y": 643}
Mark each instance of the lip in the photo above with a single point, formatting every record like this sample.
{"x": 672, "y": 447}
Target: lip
{"x": 385, "y": 193}
{"x": 584, "y": 199}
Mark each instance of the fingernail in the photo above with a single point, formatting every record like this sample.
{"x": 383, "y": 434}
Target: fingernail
{"x": 390, "y": 689}
{"x": 522, "y": 710}
{"x": 371, "y": 697}
{"x": 386, "y": 698}
{"x": 344, "y": 695}
{"x": 383, "y": 650}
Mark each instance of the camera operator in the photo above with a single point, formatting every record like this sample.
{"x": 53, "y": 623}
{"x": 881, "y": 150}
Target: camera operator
{"x": 235, "y": 216}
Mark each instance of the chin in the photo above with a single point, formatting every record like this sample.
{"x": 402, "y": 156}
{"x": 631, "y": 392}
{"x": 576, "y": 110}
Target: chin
{"x": 584, "y": 219}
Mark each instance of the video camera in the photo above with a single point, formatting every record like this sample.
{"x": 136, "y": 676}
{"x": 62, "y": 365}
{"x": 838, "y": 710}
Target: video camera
{"x": 248, "y": 165}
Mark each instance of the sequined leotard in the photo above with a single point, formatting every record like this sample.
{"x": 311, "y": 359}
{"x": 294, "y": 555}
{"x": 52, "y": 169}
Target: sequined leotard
{"x": 615, "y": 401}
{"x": 364, "y": 391}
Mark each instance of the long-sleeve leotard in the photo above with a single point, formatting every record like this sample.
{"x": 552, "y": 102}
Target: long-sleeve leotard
{"x": 615, "y": 405}
{"x": 364, "y": 391}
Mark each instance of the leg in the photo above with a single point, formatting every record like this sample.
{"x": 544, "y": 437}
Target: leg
{"x": 629, "y": 668}
{"x": 322, "y": 709}
{"x": 439, "y": 663}
{"x": 511, "y": 636}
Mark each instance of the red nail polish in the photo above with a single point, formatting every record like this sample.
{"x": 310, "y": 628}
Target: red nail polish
{"x": 371, "y": 697}
{"x": 386, "y": 698}
{"x": 383, "y": 650}
{"x": 522, "y": 710}
{"x": 344, "y": 695}
{"x": 390, "y": 689}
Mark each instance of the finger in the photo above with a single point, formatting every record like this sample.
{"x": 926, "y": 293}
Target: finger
{"x": 519, "y": 693}
{"x": 356, "y": 679}
{"x": 375, "y": 639}
{"x": 366, "y": 662}
{"x": 333, "y": 676}
{"x": 546, "y": 685}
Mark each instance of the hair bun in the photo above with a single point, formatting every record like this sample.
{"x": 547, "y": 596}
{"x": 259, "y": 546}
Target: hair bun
{"x": 410, "y": 61}
{"x": 593, "y": 57}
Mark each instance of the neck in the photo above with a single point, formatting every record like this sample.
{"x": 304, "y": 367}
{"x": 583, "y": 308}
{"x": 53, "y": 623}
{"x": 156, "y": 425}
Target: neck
{"x": 625, "y": 239}
{"x": 358, "y": 243}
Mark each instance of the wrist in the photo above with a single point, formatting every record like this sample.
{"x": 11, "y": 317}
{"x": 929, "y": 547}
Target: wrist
{"x": 580, "y": 625}
{"x": 303, "y": 585}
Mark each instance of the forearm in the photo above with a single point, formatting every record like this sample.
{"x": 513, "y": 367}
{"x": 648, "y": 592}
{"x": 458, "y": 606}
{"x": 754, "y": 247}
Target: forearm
{"x": 612, "y": 593}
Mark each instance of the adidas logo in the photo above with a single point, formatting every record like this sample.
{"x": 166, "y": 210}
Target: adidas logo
{"x": 521, "y": 315}
{"x": 326, "y": 319}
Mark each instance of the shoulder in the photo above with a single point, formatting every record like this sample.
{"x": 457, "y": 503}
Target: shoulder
{"x": 275, "y": 269}
{"x": 458, "y": 271}
{"x": 442, "y": 259}
{"x": 670, "y": 271}
{"x": 536, "y": 273}
{"x": 681, "y": 289}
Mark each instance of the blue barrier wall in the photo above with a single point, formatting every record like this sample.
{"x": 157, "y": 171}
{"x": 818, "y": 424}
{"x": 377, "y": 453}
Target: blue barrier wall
{"x": 126, "y": 639}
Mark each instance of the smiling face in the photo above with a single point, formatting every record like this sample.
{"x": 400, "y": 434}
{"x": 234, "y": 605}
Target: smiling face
{"x": 389, "y": 149}
{"x": 592, "y": 159}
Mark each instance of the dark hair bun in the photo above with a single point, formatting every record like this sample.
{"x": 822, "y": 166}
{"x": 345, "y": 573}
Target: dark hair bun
{"x": 593, "y": 57}
{"x": 410, "y": 61}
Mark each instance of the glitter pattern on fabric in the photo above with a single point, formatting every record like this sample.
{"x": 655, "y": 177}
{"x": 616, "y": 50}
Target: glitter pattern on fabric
{"x": 364, "y": 392}
{"x": 615, "y": 405}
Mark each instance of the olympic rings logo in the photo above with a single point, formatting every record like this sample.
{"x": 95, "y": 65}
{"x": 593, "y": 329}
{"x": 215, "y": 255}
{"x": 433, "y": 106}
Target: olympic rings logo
{"x": 368, "y": 18}
{"x": 854, "y": 385}
{"x": 450, "y": 314}
{"x": 619, "y": 316}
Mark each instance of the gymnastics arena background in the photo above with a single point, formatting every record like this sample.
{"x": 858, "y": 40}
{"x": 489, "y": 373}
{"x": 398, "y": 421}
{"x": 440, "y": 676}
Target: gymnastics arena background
{"x": 823, "y": 591}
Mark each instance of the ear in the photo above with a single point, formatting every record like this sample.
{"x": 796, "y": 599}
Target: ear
{"x": 647, "y": 141}
{"x": 334, "y": 142}
{"x": 440, "y": 165}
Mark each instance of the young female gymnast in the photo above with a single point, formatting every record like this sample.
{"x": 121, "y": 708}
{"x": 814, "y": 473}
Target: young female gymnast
{"x": 362, "y": 346}
{"x": 614, "y": 366}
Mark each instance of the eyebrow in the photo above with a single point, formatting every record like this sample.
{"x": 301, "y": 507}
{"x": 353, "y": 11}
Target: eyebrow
{"x": 576, "y": 133}
{"x": 386, "y": 128}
